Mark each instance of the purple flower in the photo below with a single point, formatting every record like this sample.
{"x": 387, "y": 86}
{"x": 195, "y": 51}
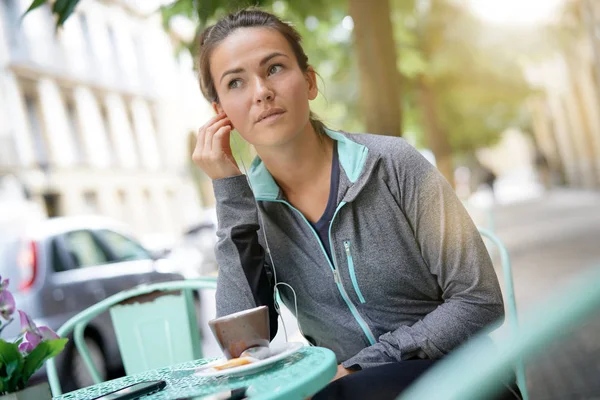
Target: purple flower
{"x": 7, "y": 304}
{"x": 30, "y": 342}
{"x": 27, "y": 324}
{"x": 33, "y": 335}
{"x": 47, "y": 333}
{"x": 3, "y": 283}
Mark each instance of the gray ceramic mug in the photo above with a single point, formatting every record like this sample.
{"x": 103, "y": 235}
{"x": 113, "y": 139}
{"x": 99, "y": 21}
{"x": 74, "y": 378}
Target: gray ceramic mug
{"x": 242, "y": 330}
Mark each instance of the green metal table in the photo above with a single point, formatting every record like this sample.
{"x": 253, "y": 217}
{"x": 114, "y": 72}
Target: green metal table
{"x": 298, "y": 376}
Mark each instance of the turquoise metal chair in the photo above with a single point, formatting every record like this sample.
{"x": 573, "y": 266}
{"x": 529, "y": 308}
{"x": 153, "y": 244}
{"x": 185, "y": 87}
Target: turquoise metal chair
{"x": 511, "y": 306}
{"x": 474, "y": 371}
{"x": 148, "y": 317}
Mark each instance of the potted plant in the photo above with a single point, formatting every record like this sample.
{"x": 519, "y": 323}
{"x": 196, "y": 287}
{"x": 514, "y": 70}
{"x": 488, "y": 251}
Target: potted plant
{"x": 21, "y": 358}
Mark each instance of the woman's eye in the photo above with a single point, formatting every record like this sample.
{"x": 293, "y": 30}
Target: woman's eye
{"x": 275, "y": 68}
{"x": 235, "y": 83}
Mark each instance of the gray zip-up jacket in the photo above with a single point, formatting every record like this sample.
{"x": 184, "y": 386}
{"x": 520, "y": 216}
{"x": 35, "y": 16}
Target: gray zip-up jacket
{"x": 410, "y": 277}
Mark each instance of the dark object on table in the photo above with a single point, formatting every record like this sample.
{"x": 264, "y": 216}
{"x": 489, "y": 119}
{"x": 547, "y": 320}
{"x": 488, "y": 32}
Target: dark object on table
{"x": 134, "y": 391}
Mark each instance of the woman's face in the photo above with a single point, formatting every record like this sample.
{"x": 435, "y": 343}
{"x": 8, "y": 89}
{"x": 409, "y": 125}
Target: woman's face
{"x": 261, "y": 87}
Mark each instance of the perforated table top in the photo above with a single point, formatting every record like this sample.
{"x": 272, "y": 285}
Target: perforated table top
{"x": 298, "y": 376}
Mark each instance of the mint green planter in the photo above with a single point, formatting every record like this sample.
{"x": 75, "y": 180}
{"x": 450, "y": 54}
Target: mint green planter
{"x": 37, "y": 392}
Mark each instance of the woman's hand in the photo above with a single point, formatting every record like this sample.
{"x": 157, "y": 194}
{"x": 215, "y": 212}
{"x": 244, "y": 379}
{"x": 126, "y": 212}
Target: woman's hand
{"x": 213, "y": 149}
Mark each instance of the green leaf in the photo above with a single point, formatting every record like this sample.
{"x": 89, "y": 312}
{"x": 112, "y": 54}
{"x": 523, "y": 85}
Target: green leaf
{"x": 67, "y": 12}
{"x": 9, "y": 353}
{"x": 35, "y": 4}
{"x": 63, "y": 9}
{"x": 11, "y": 365}
{"x": 59, "y": 6}
{"x": 44, "y": 351}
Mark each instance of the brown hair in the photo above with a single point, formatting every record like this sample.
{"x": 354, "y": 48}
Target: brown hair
{"x": 247, "y": 18}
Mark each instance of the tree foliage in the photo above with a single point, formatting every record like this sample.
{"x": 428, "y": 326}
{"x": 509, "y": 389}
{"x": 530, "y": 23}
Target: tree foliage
{"x": 473, "y": 70}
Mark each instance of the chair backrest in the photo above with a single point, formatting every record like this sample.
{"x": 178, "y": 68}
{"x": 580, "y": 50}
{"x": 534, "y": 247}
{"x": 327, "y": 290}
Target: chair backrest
{"x": 158, "y": 320}
{"x": 509, "y": 289}
{"x": 511, "y": 305}
{"x": 144, "y": 321}
{"x": 474, "y": 371}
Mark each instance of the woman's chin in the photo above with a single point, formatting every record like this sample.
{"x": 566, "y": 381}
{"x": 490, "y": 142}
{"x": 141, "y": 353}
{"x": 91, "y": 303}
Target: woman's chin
{"x": 273, "y": 137}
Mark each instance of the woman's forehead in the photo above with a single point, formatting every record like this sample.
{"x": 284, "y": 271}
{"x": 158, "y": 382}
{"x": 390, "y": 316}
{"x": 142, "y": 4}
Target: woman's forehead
{"x": 248, "y": 45}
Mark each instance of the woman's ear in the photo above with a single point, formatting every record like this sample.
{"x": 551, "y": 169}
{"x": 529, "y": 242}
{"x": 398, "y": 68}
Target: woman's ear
{"x": 217, "y": 107}
{"x": 311, "y": 80}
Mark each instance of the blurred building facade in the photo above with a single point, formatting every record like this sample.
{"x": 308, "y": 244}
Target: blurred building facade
{"x": 566, "y": 116}
{"x": 96, "y": 119}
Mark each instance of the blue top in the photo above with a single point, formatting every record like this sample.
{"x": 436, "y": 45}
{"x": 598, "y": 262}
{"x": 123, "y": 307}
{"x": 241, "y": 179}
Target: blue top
{"x": 322, "y": 225}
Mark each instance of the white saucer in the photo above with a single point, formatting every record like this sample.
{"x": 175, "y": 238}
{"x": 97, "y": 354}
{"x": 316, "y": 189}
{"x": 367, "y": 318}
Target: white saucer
{"x": 280, "y": 352}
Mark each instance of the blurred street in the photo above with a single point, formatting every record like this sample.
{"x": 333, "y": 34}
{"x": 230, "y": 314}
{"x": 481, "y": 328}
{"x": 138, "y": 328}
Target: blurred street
{"x": 550, "y": 239}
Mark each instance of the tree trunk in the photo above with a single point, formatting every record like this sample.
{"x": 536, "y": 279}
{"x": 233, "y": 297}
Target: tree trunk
{"x": 379, "y": 77}
{"x": 436, "y": 138}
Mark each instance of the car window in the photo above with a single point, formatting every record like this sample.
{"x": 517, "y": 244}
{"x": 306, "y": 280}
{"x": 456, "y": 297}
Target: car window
{"x": 84, "y": 249}
{"x": 122, "y": 247}
{"x": 58, "y": 263}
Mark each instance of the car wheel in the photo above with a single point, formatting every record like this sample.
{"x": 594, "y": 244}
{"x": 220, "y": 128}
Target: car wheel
{"x": 78, "y": 374}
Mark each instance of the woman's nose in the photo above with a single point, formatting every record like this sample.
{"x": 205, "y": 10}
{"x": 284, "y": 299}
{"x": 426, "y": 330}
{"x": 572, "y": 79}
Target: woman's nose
{"x": 263, "y": 91}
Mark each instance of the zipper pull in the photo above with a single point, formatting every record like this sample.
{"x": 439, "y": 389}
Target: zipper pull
{"x": 347, "y": 247}
{"x": 336, "y": 276}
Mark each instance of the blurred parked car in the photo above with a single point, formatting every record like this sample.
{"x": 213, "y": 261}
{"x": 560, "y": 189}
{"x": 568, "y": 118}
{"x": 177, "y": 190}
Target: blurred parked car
{"x": 61, "y": 266}
{"x": 194, "y": 254}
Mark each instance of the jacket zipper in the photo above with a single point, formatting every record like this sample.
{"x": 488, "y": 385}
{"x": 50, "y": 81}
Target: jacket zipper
{"x": 336, "y": 276}
{"x": 342, "y": 290}
{"x": 352, "y": 272}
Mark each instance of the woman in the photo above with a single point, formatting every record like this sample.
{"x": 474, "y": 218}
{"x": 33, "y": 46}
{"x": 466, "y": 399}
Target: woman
{"x": 386, "y": 264}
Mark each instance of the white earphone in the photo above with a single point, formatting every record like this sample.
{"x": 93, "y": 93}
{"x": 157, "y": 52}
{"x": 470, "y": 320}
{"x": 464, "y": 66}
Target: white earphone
{"x": 268, "y": 249}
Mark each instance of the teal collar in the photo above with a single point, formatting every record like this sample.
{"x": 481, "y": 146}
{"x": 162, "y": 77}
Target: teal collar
{"x": 352, "y": 155}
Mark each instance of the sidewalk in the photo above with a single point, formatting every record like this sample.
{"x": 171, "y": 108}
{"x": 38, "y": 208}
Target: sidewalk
{"x": 550, "y": 239}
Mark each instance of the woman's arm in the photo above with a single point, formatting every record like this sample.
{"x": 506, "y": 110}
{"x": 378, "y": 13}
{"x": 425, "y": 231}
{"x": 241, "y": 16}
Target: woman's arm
{"x": 456, "y": 255}
{"x": 244, "y": 279}
{"x": 243, "y": 282}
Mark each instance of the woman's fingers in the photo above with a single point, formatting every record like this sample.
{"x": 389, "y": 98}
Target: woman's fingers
{"x": 211, "y": 131}
{"x": 198, "y": 150}
{"x": 220, "y": 140}
{"x": 213, "y": 149}
{"x": 202, "y": 131}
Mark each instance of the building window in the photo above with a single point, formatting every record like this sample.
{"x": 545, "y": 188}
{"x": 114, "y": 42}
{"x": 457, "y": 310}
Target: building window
{"x": 87, "y": 40}
{"x": 90, "y": 200}
{"x": 142, "y": 63}
{"x": 134, "y": 133}
{"x": 52, "y": 203}
{"x": 13, "y": 28}
{"x": 157, "y": 133}
{"x": 40, "y": 143}
{"x": 153, "y": 223}
{"x": 109, "y": 137}
{"x": 9, "y": 155}
{"x": 123, "y": 206}
{"x": 112, "y": 38}
{"x": 79, "y": 154}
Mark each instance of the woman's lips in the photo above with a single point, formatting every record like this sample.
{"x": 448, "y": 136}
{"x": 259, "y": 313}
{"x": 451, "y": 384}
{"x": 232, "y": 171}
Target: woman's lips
{"x": 272, "y": 118}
